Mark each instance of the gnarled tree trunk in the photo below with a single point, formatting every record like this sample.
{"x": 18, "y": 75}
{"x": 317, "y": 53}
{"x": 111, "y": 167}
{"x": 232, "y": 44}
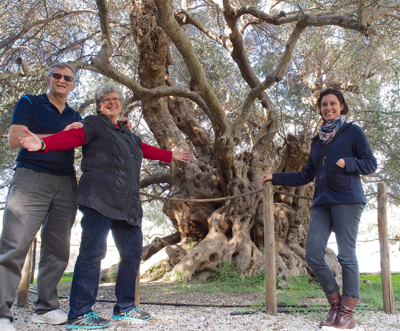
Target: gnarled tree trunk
{"x": 230, "y": 229}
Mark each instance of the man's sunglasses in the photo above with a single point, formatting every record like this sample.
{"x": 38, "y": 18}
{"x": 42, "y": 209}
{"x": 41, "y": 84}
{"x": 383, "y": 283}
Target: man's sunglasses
{"x": 67, "y": 78}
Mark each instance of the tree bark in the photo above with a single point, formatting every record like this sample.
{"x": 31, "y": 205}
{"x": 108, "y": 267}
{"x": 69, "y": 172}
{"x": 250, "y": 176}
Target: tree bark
{"x": 159, "y": 243}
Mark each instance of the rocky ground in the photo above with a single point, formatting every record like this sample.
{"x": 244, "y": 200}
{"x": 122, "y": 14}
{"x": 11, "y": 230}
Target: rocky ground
{"x": 161, "y": 300}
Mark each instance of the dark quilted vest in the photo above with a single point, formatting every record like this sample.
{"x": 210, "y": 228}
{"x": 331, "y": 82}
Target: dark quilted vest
{"x": 112, "y": 157}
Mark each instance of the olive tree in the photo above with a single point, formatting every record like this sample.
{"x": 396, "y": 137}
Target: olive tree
{"x": 235, "y": 83}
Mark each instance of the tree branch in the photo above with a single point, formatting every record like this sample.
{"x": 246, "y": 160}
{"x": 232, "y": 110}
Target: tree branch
{"x": 382, "y": 11}
{"x": 26, "y": 71}
{"x": 189, "y": 19}
{"x": 156, "y": 179}
{"x": 42, "y": 22}
{"x": 144, "y": 93}
{"x": 74, "y": 44}
{"x": 361, "y": 14}
{"x": 278, "y": 19}
{"x": 198, "y": 83}
{"x": 42, "y": 69}
{"x": 278, "y": 73}
{"x": 84, "y": 105}
{"x": 106, "y": 48}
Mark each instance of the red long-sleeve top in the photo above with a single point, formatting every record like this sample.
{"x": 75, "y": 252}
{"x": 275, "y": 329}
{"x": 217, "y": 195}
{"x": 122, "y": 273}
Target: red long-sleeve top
{"x": 64, "y": 140}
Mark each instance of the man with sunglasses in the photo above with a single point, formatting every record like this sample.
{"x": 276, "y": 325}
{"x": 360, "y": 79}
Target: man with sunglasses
{"x": 42, "y": 194}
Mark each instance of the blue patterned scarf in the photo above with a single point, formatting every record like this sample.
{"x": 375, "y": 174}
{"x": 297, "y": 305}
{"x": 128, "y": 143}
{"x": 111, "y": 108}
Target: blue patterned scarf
{"x": 330, "y": 128}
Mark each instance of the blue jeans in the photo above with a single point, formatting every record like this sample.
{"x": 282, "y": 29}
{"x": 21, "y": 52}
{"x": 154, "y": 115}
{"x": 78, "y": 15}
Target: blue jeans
{"x": 85, "y": 283}
{"x": 343, "y": 219}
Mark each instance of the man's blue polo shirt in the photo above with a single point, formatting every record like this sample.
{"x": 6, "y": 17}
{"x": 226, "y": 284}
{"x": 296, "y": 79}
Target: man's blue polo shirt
{"x": 42, "y": 117}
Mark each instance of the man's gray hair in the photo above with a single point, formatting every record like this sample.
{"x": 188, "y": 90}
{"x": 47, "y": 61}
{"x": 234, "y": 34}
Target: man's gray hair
{"x": 104, "y": 89}
{"x": 61, "y": 65}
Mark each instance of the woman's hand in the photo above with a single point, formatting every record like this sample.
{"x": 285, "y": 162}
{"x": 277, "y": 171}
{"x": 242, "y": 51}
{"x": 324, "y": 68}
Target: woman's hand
{"x": 180, "y": 155}
{"x": 341, "y": 163}
{"x": 266, "y": 178}
{"x": 75, "y": 125}
{"x": 32, "y": 142}
{"x": 126, "y": 122}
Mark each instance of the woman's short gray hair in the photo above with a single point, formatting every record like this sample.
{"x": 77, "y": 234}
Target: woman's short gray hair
{"x": 105, "y": 89}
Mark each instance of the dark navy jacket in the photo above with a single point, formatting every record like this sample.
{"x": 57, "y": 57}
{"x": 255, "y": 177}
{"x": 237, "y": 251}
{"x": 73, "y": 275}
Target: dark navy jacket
{"x": 334, "y": 184}
{"x": 41, "y": 117}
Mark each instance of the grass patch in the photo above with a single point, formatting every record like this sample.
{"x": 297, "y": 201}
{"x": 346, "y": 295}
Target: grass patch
{"x": 67, "y": 277}
{"x": 298, "y": 290}
{"x": 228, "y": 280}
{"x": 371, "y": 294}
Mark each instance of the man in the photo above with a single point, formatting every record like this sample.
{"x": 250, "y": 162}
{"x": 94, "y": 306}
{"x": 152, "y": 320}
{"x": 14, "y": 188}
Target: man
{"x": 42, "y": 194}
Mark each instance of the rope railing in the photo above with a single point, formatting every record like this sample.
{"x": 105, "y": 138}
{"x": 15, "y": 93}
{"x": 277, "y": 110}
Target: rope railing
{"x": 231, "y": 197}
{"x": 202, "y": 200}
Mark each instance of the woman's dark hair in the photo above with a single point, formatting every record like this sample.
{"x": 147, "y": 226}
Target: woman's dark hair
{"x": 338, "y": 94}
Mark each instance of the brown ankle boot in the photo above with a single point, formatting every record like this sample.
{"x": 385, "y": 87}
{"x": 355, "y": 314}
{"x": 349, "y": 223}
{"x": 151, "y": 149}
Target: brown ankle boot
{"x": 345, "y": 317}
{"x": 334, "y": 301}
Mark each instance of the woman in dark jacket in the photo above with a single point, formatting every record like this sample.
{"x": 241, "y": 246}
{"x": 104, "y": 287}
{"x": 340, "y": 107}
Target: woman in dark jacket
{"x": 340, "y": 153}
{"x": 109, "y": 199}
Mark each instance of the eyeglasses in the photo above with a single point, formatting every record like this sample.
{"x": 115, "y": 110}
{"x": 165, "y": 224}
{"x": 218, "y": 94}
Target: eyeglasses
{"x": 67, "y": 78}
{"x": 108, "y": 100}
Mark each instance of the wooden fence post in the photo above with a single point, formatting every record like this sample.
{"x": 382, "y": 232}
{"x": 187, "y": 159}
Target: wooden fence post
{"x": 271, "y": 307}
{"x": 33, "y": 266}
{"x": 137, "y": 288}
{"x": 23, "y": 287}
{"x": 387, "y": 290}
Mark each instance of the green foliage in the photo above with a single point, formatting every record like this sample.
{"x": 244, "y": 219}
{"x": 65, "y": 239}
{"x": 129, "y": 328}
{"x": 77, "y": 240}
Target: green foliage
{"x": 67, "y": 277}
{"x": 112, "y": 278}
{"x": 371, "y": 294}
{"x": 299, "y": 289}
{"x": 158, "y": 271}
{"x": 229, "y": 280}
{"x": 179, "y": 276}
{"x": 227, "y": 273}
{"x": 192, "y": 242}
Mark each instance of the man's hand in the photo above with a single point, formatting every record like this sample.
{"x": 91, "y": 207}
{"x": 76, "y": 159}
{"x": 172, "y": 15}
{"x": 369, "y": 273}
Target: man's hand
{"x": 75, "y": 125}
{"x": 32, "y": 142}
{"x": 126, "y": 122}
{"x": 180, "y": 155}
